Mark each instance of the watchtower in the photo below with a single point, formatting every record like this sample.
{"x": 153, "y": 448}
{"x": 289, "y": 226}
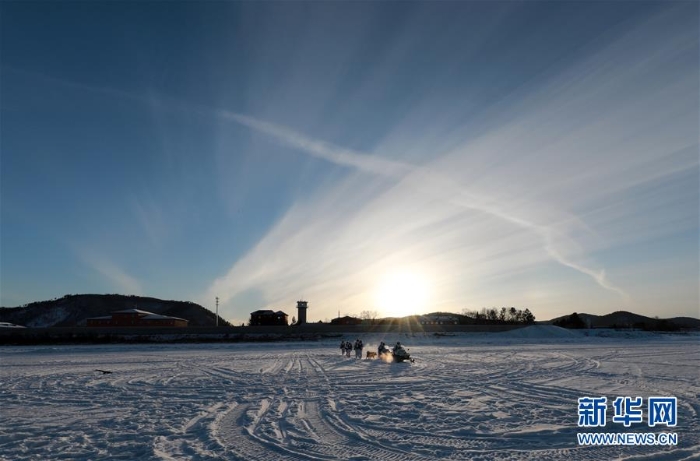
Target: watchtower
{"x": 301, "y": 308}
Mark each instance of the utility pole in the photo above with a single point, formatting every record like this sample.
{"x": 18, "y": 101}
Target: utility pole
{"x": 217, "y": 311}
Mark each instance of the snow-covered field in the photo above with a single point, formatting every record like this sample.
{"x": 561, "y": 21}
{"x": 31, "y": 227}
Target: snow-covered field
{"x": 472, "y": 396}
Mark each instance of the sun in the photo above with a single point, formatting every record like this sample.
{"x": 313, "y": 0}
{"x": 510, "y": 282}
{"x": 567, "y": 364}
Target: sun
{"x": 401, "y": 293}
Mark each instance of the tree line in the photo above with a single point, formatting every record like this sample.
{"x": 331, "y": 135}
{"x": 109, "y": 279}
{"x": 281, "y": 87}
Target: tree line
{"x": 504, "y": 315}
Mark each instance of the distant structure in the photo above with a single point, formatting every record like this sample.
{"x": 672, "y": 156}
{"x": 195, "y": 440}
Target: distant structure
{"x": 136, "y": 318}
{"x": 301, "y": 308}
{"x": 438, "y": 319}
{"x": 347, "y": 320}
{"x": 268, "y": 317}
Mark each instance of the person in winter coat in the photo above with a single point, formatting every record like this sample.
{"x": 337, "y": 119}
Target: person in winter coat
{"x": 358, "y": 348}
{"x": 342, "y": 348}
{"x": 348, "y": 348}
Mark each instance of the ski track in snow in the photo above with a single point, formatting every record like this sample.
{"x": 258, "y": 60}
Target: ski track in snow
{"x": 302, "y": 401}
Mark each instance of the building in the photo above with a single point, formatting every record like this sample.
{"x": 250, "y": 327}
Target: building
{"x": 136, "y": 318}
{"x": 347, "y": 320}
{"x": 268, "y": 317}
{"x": 301, "y": 311}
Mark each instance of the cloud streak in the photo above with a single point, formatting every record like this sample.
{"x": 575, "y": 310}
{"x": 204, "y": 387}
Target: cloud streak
{"x": 420, "y": 179}
{"x": 323, "y": 150}
{"x": 546, "y": 181}
{"x": 119, "y": 279}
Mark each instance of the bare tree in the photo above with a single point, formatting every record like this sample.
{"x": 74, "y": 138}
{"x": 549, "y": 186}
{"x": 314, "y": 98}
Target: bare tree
{"x": 369, "y": 316}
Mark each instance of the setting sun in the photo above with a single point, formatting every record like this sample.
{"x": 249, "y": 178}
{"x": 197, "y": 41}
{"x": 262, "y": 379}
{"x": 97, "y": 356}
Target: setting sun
{"x": 401, "y": 293}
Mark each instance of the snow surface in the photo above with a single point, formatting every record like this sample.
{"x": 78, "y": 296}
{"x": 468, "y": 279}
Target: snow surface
{"x": 502, "y": 396}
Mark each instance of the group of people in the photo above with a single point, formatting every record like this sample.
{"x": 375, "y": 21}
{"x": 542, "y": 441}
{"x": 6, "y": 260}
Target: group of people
{"x": 346, "y": 347}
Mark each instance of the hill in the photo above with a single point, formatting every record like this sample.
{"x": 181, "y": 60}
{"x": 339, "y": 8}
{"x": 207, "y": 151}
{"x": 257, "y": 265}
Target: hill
{"x": 624, "y": 319}
{"x": 73, "y": 310}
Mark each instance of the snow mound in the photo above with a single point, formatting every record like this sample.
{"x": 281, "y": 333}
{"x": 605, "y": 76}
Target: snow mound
{"x": 49, "y": 318}
{"x": 9, "y": 325}
{"x": 541, "y": 332}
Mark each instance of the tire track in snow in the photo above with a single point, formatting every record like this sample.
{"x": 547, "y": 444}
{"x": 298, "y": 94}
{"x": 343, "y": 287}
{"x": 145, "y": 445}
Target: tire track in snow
{"x": 300, "y": 402}
{"x": 292, "y": 421}
{"x": 342, "y": 438}
{"x": 260, "y": 426}
{"x": 238, "y": 432}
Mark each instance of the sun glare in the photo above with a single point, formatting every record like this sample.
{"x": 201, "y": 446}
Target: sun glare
{"x": 401, "y": 293}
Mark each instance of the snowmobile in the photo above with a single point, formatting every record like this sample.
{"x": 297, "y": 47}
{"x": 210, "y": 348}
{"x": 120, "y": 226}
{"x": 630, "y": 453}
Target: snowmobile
{"x": 400, "y": 354}
{"x": 397, "y": 354}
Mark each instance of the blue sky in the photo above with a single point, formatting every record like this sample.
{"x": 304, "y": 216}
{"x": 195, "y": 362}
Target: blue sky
{"x": 392, "y": 157}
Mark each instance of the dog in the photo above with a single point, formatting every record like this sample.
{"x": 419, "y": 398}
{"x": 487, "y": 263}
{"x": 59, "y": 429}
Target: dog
{"x": 371, "y": 355}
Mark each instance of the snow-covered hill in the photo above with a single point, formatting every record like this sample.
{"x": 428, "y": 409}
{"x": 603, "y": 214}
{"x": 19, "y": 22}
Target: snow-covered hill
{"x": 73, "y": 310}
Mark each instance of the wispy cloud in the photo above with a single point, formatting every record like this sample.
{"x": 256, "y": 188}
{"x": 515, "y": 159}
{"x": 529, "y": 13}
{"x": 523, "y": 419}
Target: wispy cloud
{"x": 323, "y": 150}
{"x": 95, "y": 89}
{"x": 545, "y": 181}
{"x": 119, "y": 279}
{"x": 419, "y": 179}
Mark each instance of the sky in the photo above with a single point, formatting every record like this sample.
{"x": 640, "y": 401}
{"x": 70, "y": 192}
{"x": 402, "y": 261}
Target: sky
{"x": 387, "y": 157}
